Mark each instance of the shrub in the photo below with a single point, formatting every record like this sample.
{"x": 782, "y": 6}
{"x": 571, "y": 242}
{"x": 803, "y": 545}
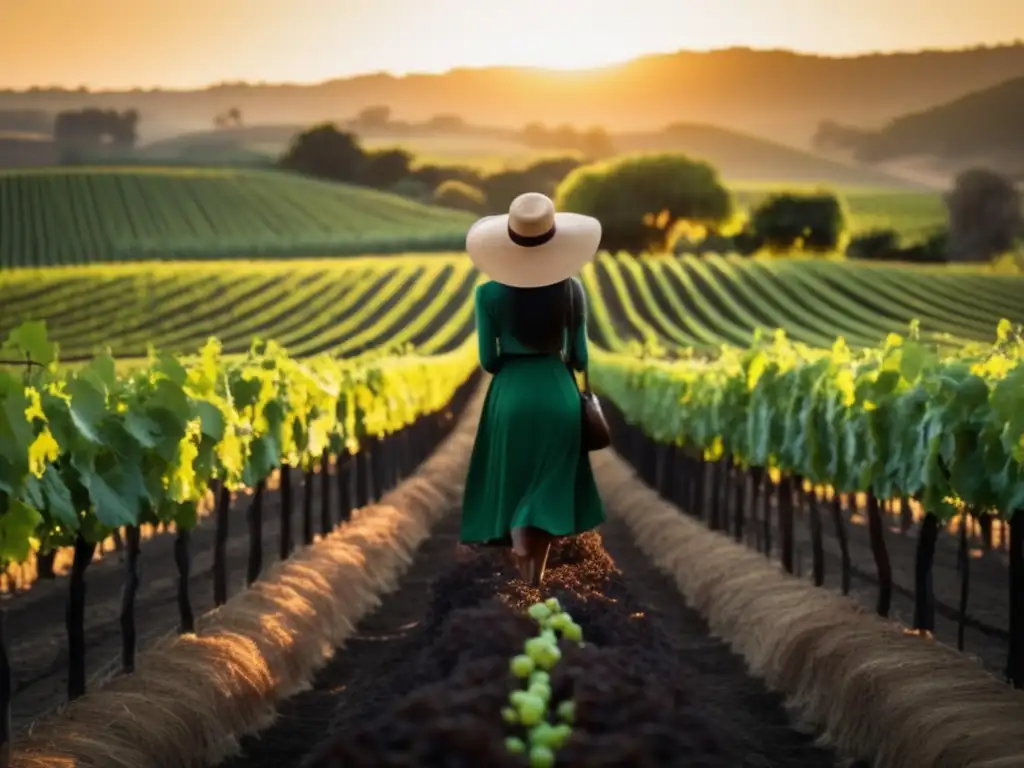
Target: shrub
{"x": 640, "y": 198}
{"x": 503, "y": 187}
{"x": 325, "y": 152}
{"x": 984, "y": 215}
{"x": 385, "y": 168}
{"x": 790, "y": 221}
{"x": 884, "y": 245}
{"x": 412, "y": 188}
{"x": 433, "y": 176}
{"x": 456, "y": 194}
{"x": 877, "y": 244}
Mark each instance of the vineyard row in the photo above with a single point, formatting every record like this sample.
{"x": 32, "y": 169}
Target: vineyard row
{"x": 791, "y": 425}
{"x": 670, "y": 306}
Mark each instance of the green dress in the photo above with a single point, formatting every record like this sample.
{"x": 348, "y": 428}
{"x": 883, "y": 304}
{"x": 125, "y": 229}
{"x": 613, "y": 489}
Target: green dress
{"x": 528, "y": 467}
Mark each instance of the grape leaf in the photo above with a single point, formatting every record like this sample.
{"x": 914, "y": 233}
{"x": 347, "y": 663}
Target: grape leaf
{"x": 17, "y": 528}
{"x": 58, "y": 499}
{"x": 87, "y": 409}
{"x": 30, "y": 339}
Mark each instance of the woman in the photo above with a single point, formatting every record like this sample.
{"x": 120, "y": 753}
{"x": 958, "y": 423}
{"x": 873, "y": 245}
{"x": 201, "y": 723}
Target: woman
{"x": 529, "y": 478}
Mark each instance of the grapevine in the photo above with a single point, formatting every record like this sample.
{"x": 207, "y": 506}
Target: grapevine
{"x": 87, "y": 451}
{"x": 903, "y": 419}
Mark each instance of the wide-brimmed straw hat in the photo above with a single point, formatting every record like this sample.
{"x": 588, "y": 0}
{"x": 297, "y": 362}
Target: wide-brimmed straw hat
{"x": 532, "y": 246}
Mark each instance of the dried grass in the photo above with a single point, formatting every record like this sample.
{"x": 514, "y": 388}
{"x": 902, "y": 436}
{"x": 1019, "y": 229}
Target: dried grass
{"x": 191, "y": 697}
{"x": 874, "y": 692}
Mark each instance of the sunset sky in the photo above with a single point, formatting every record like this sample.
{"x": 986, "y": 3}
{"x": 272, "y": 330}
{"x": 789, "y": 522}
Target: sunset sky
{"x": 189, "y": 43}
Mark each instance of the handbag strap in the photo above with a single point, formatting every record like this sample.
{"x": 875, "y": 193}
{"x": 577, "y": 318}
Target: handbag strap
{"x": 572, "y": 326}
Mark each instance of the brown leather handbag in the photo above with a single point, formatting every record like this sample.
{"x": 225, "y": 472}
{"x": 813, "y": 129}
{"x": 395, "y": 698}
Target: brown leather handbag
{"x": 596, "y": 433}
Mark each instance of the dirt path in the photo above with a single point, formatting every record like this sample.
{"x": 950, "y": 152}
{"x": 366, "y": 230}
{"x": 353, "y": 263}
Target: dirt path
{"x": 304, "y": 719}
{"x": 746, "y": 700}
{"x": 356, "y": 683}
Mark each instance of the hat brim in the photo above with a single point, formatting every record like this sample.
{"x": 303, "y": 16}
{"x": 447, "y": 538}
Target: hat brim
{"x": 490, "y": 248}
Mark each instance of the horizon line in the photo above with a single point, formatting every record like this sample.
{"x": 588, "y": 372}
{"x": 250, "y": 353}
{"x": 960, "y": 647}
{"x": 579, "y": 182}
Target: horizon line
{"x": 402, "y": 75}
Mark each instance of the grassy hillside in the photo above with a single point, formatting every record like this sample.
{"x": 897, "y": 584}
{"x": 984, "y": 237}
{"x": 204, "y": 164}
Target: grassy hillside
{"x": 222, "y": 145}
{"x": 777, "y": 94}
{"x": 739, "y": 157}
{"x": 914, "y": 214}
{"x": 351, "y": 305}
{"x": 742, "y": 157}
{"x": 83, "y": 215}
{"x": 108, "y": 214}
{"x": 687, "y": 303}
{"x": 26, "y": 150}
{"x": 984, "y": 126}
{"x": 341, "y": 306}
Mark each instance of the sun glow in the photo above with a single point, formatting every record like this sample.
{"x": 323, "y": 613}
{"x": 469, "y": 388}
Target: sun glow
{"x": 72, "y": 43}
{"x": 563, "y": 35}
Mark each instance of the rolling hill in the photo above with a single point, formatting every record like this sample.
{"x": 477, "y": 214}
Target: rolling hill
{"x": 738, "y": 156}
{"x": 243, "y": 143}
{"x": 347, "y": 306}
{"x": 985, "y": 127}
{"x": 742, "y": 157}
{"x": 27, "y": 150}
{"x": 340, "y": 306}
{"x": 777, "y": 94}
{"x": 87, "y": 215}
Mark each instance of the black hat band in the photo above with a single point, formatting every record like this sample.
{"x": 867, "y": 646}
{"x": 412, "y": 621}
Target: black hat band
{"x": 530, "y": 241}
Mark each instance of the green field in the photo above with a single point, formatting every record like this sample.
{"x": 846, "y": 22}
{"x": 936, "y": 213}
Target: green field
{"x": 679, "y": 304}
{"x": 85, "y": 215}
{"x": 263, "y": 143}
{"x": 340, "y": 306}
{"x": 92, "y": 214}
{"x": 914, "y": 214}
{"x": 350, "y": 306}
{"x": 737, "y": 156}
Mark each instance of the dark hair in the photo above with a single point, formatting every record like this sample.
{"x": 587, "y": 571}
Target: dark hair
{"x": 539, "y": 315}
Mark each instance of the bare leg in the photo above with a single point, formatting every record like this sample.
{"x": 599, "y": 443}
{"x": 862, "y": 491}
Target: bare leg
{"x": 530, "y": 548}
{"x": 520, "y": 551}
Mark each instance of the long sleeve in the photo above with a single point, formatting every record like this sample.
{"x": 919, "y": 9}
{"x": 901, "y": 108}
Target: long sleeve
{"x": 486, "y": 333}
{"x": 580, "y": 354}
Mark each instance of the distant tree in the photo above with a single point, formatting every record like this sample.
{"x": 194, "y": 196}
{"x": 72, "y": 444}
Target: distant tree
{"x": 800, "y": 222}
{"x": 234, "y": 116}
{"x": 456, "y": 194}
{"x": 535, "y": 135}
{"x": 596, "y": 144}
{"x": 984, "y": 211}
{"x": 325, "y": 152}
{"x": 385, "y": 168}
{"x": 640, "y": 198}
{"x": 543, "y": 176}
{"x": 432, "y": 176}
{"x": 449, "y": 123}
{"x": 884, "y": 245}
{"x": 553, "y": 168}
{"x": 876, "y": 245}
{"x": 414, "y": 189}
{"x": 93, "y": 128}
{"x": 834, "y": 137}
{"x": 373, "y": 117}
{"x": 220, "y": 122}
{"x": 127, "y": 132}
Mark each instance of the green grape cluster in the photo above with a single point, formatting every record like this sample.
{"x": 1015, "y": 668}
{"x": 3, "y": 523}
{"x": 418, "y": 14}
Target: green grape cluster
{"x": 531, "y": 706}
